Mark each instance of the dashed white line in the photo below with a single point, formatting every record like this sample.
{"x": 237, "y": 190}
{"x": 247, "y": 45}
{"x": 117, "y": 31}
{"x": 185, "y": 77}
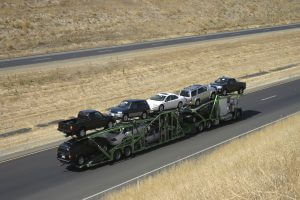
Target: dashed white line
{"x": 189, "y": 156}
{"x": 269, "y": 97}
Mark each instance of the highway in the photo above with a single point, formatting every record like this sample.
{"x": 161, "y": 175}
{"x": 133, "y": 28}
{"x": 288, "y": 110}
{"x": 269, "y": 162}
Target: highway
{"x": 23, "y": 61}
{"x": 40, "y": 176}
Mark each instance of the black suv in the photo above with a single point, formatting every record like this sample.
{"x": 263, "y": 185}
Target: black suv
{"x": 130, "y": 108}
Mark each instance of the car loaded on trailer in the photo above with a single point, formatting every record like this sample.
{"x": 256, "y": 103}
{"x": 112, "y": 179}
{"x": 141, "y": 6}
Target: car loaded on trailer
{"x": 86, "y": 120}
{"x": 226, "y": 85}
{"x": 132, "y": 136}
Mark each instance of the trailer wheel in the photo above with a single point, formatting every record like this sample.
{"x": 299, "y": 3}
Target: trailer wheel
{"x": 117, "y": 155}
{"x": 200, "y": 127}
{"x": 81, "y": 133}
{"x": 80, "y": 160}
{"x": 127, "y": 152}
{"x": 208, "y": 125}
{"x": 241, "y": 91}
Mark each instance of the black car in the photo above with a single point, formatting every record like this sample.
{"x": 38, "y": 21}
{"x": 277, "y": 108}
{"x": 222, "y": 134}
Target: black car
{"x": 86, "y": 120}
{"x": 226, "y": 85}
{"x": 131, "y": 108}
{"x": 78, "y": 152}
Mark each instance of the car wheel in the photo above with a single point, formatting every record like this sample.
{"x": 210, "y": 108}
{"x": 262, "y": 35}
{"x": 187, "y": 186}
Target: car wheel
{"x": 81, "y": 133}
{"x": 241, "y": 91}
{"x": 197, "y": 103}
{"x": 224, "y": 93}
{"x": 161, "y": 108}
{"x": 238, "y": 115}
{"x": 200, "y": 128}
{"x": 117, "y": 155}
{"x": 180, "y": 104}
{"x": 216, "y": 122}
{"x": 144, "y": 115}
{"x": 125, "y": 118}
{"x": 213, "y": 96}
{"x": 208, "y": 125}
{"x": 127, "y": 152}
{"x": 80, "y": 160}
{"x": 110, "y": 124}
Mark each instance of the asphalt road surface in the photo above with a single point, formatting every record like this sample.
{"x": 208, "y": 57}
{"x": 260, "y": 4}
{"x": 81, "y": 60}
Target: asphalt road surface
{"x": 22, "y": 61}
{"x": 40, "y": 176}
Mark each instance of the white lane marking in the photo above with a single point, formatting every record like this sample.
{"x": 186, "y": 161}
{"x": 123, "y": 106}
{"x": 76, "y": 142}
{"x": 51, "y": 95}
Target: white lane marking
{"x": 184, "y": 158}
{"x": 269, "y": 97}
{"x": 40, "y": 59}
{"x": 102, "y": 51}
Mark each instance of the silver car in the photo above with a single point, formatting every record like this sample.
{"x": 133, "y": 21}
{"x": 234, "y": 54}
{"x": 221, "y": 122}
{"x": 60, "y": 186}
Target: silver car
{"x": 197, "y": 94}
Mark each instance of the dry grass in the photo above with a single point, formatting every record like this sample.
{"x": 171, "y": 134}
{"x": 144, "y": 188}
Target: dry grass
{"x": 42, "y": 26}
{"x": 60, "y": 90}
{"x": 263, "y": 165}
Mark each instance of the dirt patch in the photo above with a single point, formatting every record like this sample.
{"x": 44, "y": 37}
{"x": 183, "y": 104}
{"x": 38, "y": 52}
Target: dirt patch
{"x": 59, "y": 90}
{"x": 58, "y": 25}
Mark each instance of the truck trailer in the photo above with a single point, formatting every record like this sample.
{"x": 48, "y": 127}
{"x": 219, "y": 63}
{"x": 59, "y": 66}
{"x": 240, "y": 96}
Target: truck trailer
{"x": 128, "y": 138}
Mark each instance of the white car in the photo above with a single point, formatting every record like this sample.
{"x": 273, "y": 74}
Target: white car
{"x": 165, "y": 101}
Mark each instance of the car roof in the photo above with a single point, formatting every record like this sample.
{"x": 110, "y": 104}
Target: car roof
{"x": 88, "y": 111}
{"x": 134, "y": 100}
{"x": 166, "y": 93}
{"x": 193, "y": 87}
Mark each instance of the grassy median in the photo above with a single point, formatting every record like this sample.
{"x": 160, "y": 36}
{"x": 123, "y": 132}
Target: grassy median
{"x": 263, "y": 165}
{"x": 42, "y": 26}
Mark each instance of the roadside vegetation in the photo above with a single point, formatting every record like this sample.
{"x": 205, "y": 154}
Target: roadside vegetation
{"x": 31, "y": 98}
{"x": 42, "y": 26}
{"x": 263, "y": 165}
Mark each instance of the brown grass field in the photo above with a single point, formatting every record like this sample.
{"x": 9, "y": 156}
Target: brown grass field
{"x": 39, "y": 26}
{"x": 264, "y": 165}
{"x": 33, "y": 96}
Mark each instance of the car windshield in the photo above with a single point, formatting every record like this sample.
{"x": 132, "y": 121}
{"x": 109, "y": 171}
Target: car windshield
{"x": 221, "y": 80}
{"x": 124, "y": 104}
{"x": 185, "y": 93}
{"x": 158, "y": 98}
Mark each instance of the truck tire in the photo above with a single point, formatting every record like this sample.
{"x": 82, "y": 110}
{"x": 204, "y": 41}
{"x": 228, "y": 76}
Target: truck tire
{"x": 197, "y": 102}
{"x": 117, "y": 155}
{"x": 208, "y": 124}
{"x": 125, "y": 118}
{"x": 81, "y": 133}
{"x": 80, "y": 160}
{"x": 241, "y": 91}
{"x": 127, "y": 151}
{"x": 200, "y": 128}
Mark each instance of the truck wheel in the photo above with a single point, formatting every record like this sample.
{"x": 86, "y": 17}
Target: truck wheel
{"x": 80, "y": 160}
{"x": 241, "y": 91}
{"x": 81, "y": 133}
{"x": 161, "y": 108}
{"x": 224, "y": 93}
{"x": 200, "y": 127}
{"x": 208, "y": 125}
{"x": 144, "y": 115}
{"x": 117, "y": 155}
{"x": 127, "y": 152}
{"x": 110, "y": 124}
{"x": 125, "y": 118}
{"x": 197, "y": 103}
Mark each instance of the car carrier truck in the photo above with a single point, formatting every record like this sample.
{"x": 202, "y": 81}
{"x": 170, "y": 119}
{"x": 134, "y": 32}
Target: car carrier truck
{"x": 128, "y": 138}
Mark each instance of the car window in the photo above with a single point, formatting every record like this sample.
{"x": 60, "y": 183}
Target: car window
{"x": 158, "y": 98}
{"x": 134, "y": 105}
{"x": 173, "y": 97}
{"x": 200, "y": 90}
{"x": 194, "y": 93}
{"x": 168, "y": 98}
{"x": 98, "y": 115}
{"x": 141, "y": 105}
{"x": 184, "y": 93}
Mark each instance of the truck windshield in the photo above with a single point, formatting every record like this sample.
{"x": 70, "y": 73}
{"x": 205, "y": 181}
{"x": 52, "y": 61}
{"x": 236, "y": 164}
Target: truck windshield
{"x": 158, "y": 98}
{"x": 184, "y": 93}
{"x": 221, "y": 80}
{"x": 124, "y": 104}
